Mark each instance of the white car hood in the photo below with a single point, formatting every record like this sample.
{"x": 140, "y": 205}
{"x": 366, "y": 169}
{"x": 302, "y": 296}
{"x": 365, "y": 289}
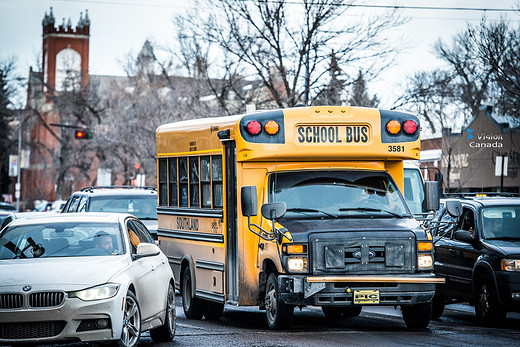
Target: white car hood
{"x": 67, "y": 273}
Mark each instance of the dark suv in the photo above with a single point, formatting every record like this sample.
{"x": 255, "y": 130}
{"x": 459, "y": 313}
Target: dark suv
{"x": 478, "y": 253}
{"x": 139, "y": 201}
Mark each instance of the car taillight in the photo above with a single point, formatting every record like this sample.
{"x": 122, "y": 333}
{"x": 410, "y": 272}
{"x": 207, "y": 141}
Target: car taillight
{"x": 409, "y": 127}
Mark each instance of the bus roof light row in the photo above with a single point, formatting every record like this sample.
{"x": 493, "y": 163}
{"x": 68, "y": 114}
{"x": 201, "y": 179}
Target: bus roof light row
{"x": 254, "y": 127}
{"x": 409, "y": 127}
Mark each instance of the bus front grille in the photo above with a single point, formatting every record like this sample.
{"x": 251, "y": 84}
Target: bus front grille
{"x": 362, "y": 256}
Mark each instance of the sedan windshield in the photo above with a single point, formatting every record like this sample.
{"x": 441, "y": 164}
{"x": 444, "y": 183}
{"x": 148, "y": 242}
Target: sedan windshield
{"x": 501, "y": 222}
{"x": 337, "y": 194}
{"x": 60, "y": 240}
{"x": 143, "y": 207}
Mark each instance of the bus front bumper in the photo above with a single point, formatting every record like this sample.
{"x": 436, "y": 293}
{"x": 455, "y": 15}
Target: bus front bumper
{"x": 403, "y": 290}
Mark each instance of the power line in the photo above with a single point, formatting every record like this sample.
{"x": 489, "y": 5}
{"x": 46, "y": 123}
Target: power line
{"x": 404, "y": 7}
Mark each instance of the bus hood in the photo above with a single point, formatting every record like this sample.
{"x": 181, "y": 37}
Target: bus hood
{"x": 300, "y": 228}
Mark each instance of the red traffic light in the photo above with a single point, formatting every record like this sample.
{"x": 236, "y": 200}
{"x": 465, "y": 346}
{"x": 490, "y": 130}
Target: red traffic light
{"x": 83, "y": 135}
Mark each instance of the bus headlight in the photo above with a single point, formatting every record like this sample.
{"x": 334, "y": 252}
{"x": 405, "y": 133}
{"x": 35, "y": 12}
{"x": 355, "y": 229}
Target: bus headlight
{"x": 297, "y": 264}
{"x": 425, "y": 261}
{"x": 510, "y": 264}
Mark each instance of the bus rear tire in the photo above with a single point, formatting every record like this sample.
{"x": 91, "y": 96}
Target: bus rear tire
{"x": 417, "y": 316}
{"x": 193, "y": 307}
{"x": 279, "y": 315}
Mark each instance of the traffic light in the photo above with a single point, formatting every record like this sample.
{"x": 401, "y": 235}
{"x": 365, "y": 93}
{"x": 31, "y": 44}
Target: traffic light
{"x": 83, "y": 134}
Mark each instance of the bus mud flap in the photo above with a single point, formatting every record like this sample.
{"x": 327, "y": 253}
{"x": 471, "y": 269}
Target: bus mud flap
{"x": 313, "y": 288}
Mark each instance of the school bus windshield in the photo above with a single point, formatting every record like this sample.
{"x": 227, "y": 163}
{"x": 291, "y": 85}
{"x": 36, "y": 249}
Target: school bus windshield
{"x": 337, "y": 194}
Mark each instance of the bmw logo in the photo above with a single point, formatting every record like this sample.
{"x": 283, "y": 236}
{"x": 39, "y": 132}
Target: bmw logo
{"x": 26, "y": 288}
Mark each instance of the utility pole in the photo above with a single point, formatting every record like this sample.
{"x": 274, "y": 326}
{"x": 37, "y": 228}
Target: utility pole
{"x": 18, "y": 168}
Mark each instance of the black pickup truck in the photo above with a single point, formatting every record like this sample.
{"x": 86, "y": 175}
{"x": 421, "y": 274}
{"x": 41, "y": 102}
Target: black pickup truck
{"x": 478, "y": 253}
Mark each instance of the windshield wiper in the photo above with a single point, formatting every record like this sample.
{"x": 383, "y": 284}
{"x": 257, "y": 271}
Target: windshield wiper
{"x": 303, "y": 210}
{"x": 370, "y": 209}
{"x": 148, "y": 218}
{"x": 506, "y": 238}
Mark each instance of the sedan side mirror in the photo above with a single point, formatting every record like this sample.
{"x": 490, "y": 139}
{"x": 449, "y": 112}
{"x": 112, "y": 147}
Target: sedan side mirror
{"x": 464, "y": 236}
{"x": 147, "y": 250}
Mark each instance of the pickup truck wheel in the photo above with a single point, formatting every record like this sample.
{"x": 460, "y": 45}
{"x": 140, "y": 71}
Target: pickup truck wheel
{"x": 193, "y": 307}
{"x": 487, "y": 308}
{"x": 279, "y": 315}
{"x": 417, "y": 316}
{"x": 438, "y": 304}
{"x": 341, "y": 312}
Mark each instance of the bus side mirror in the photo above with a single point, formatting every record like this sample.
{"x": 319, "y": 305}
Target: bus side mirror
{"x": 274, "y": 210}
{"x": 454, "y": 208}
{"x": 431, "y": 192}
{"x": 249, "y": 202}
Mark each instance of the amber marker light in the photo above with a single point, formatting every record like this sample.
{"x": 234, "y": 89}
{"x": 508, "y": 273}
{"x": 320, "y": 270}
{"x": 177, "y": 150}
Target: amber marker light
{"x": 409, "y": 127}
{"x": 295, "y": 249}
{"x": 393, "y": 127}
{"x": 271, "y": 127}
{"x": 424, "y": 246}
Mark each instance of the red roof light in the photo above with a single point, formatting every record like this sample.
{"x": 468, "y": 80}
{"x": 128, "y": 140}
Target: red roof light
{"x": 254, "y": 127}
{"x": 409, "y": 127}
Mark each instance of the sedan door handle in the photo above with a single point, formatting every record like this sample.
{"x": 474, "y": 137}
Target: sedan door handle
{"x": 453, "y": 251}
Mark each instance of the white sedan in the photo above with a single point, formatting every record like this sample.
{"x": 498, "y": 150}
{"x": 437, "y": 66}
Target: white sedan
{"x": 83, "y": 277}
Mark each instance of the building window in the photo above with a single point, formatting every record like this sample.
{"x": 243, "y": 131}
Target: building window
{"x": 163, "y": 182}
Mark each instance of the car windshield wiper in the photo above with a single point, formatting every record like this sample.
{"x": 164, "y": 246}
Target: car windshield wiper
{"x": 506, "y": 238}
{"x": 148, "y": 218}
{"x": 303, "y": 210}
{"x": 370, "y": 209}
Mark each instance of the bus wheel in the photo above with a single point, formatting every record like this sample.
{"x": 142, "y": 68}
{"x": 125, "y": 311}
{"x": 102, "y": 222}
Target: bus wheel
{"x": 279, "y": 315}
{"x": 193, "y": 307}
{"x": 417, "y": 316}
{"x": 214, "y": 310}
{"x": 341, "y": 312}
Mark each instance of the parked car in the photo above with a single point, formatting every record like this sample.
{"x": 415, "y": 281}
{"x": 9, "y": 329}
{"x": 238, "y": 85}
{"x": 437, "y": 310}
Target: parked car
{"x": 138, "y": 201}
{"x": 83, "y": 277}
{"x": 9, "y": 217}
{"x": 478, "y": 253}
{"x": 4, "y": 206}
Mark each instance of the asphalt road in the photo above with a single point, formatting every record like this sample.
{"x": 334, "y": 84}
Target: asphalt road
{"x": 376, "y": 326}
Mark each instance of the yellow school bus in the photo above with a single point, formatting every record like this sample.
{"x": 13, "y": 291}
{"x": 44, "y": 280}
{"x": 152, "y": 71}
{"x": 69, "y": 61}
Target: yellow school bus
{"x": 294, "y": 207}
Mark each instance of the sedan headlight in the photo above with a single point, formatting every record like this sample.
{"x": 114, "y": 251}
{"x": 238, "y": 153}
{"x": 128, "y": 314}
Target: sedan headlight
{"x": 425, "y": 261}
{"x": 101, "y": 292}
{"x": 510, "y": 264}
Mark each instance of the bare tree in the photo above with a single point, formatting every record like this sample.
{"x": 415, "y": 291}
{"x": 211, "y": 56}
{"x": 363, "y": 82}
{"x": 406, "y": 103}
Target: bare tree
{"x": 7, "y": 116}
{"x": 285, "y": 45}
{"x": 499, "y": 48}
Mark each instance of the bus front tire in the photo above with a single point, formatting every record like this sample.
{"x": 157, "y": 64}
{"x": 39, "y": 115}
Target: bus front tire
{"x": 193, "y": 307}
{"x": 417, "y": 316}
{"x": 279, "y": 315}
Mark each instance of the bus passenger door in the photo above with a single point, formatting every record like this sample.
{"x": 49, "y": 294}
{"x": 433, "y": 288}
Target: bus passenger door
{"x": 231, "y": 218}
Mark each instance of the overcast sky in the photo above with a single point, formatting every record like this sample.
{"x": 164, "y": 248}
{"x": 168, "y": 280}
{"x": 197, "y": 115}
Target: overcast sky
{"x": 119, "y": 27}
